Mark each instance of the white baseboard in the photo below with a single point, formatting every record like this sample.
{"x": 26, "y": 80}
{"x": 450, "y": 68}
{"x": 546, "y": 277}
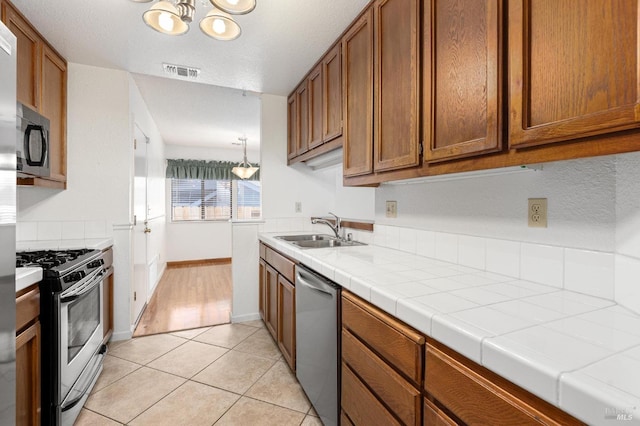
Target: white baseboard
{"x": 244, "y": 318}
{"x": 122, "y": 335}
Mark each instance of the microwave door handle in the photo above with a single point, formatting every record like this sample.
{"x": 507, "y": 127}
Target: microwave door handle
{"x": 27, "y": 150}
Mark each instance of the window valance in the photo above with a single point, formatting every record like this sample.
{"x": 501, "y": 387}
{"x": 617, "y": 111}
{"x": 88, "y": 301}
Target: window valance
{"x": 202, "y": 169}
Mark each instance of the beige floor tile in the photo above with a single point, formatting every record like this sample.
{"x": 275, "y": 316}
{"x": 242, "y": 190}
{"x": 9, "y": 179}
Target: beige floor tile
{"x": 188, "y": 359}
{"x": 248, "y": 411}
{"x": 234, "y": 371}
{"x": 311, "y": 421}
{"x": 89, "y": 418}
{"x": 313, "y": 412}
{"x": 133, "y": 394}
{"x": 260, "y": 343}
{"x": 115, "y": 343}
{"x": 279, "y": 386}
{"x": 113, "y": 369}
{"x": 227, "y": 335}
{"x": 190, "y": 334}
{"x": 254, "y": 323}
{"x": 192, "y": 404}
{"x": 143, "y": 350}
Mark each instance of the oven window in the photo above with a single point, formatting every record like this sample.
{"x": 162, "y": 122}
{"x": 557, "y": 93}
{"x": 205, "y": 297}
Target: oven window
{"x": 84, "y": 318}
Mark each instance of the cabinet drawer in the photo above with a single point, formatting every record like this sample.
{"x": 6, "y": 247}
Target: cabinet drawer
{"x": 27, "y": 308}
{"x": 344, "y": 420}
{"x": 395, "y": 342}
{"x": 396, "y": 392}
{"x": 283, "y": 265}
{"x": 360, "y": 405}
{"x": 433, "y": 416}
{"x": 478, "y": 396}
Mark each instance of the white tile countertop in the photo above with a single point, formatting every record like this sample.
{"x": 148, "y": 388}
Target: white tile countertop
{"x": 580, "y": 353}
{"x": 27, "y": 276}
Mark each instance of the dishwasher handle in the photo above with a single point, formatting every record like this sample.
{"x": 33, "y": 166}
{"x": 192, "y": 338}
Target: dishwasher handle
{"x": 309, "y": 280}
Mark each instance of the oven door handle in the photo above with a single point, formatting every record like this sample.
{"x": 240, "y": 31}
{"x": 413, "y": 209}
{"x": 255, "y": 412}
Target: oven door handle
{"x": 97, "y": 280}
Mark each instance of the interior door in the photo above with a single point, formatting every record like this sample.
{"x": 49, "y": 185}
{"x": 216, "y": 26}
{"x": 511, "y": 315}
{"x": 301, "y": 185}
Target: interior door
{"x": 140, "y": 229}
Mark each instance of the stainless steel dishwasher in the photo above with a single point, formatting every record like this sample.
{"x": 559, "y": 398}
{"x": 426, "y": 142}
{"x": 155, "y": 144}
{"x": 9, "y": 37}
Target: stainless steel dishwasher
{"x": 318, "y": 342}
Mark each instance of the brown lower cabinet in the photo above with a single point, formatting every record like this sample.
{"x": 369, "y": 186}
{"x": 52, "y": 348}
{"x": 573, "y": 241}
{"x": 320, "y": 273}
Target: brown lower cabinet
{"x": 380, "y": 385}
{"x": 277, "y": 300}
{"x": 28, "y": 349}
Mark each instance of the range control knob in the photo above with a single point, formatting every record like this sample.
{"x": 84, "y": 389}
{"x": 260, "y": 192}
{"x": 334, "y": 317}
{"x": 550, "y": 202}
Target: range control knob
{"x": 95, "y": 263}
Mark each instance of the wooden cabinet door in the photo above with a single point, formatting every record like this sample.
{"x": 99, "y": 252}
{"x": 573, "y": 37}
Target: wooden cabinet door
{"x": 332, "y": 94}
{"x": 107, "y": 311}
{"x": 271, "y": 301}
{"x": 573, "y": 69}
{"x": 292, "y": 126}
{"x": 397, "y": 84}
{"x": 433, "y": 416}
{"x": 287, "y": 321}
{"x": 262, "y": 276}
{"x": 54, "y": 107}
{"x": 357, "y": 101}
{"x": 315, "y": 107}
{"x": 28, "y": 376}
{"x": 302, "y": 142}
{"x": 462, "y": 106}
{"x": 28, "y": 57}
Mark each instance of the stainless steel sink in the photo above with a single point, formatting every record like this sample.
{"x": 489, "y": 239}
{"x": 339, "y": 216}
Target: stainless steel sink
{"x": 317, "y": 241}
{"x": 307, "y": 237}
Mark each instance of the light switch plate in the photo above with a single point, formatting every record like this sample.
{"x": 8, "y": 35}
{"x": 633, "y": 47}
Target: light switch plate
{"x": 298, "y": 207}
{"x": 392, "y": 209}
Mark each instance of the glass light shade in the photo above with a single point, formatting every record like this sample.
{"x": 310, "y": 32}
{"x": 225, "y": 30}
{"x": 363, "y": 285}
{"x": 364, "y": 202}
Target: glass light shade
{"x": 165, "y": 18}
{"x": 244, "y": 172}
{"x": 220, "y": 26}
{"x": 235, "y": 7}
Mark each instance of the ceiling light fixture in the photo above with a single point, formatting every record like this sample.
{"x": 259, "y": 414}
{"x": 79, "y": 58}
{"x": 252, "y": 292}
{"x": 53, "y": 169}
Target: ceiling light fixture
{"x": 173, "y": 17}
{"x": 244, "y": 170}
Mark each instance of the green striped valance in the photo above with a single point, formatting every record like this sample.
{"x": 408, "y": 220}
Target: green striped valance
{"x": 202, "y": 169}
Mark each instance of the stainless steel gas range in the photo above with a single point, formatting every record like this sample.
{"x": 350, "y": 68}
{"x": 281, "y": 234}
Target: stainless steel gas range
{"x": 71, "y": 317}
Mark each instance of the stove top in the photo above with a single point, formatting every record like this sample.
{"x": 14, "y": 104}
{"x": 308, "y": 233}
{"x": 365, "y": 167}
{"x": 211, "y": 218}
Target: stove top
{"x": 56, "y": 262}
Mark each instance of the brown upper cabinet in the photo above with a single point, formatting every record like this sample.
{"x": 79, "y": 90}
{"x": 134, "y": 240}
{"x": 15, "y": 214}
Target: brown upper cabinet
{"x": 462, "y": 78}
{"x": 332, "y": 94}
{"x": 396, "y": 93}
{"x": 381, "y": 57}
{"x": 357, "y": 72}
{"x": 574, "y": 69}
{"x": 315, "y": 107}
{"x": 315, "y": 110}
{"x": 42, "y": 86}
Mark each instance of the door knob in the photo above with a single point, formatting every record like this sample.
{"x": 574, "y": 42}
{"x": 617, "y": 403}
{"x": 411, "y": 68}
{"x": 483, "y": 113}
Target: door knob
{"x": 147, "y": 230}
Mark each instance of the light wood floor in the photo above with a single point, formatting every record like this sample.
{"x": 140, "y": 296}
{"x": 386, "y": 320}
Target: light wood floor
{"x": 188, "y": 297}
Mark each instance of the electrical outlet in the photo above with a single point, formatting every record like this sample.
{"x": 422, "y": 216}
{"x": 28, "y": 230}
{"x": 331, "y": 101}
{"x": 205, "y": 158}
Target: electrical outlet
{"x": 537, "y": 213}
{"x": 392, "y": 209}
{"x": 298, "y": 207}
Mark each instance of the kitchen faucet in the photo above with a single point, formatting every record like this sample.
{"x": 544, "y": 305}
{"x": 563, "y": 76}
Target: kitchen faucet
{"x": 335, "y": 228}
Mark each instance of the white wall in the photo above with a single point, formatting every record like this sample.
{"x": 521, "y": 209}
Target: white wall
{"x": 101, "y": 109}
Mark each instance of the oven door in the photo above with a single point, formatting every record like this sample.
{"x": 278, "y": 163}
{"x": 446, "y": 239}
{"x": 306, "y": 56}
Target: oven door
{"x": 81, "y": 329}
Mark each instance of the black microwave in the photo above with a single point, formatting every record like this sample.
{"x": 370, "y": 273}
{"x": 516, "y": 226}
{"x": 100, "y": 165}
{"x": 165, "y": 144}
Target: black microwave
{"x": 32, "y": 143}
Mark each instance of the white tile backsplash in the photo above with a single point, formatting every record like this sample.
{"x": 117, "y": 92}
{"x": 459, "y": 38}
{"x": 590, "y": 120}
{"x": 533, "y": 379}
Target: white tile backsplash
{"x": 95, "y": 229}
{"x": 27, "y": 231}
{"x": 446, "y": 247}
{"x": 49, "y": 231}
{"x": 627, "y": 282}
{"x": 589, "y": 272}
{"x": 426, "y": 243}
{"x": 542, "y": 264}
{"x": 72, "y": 230}
{"x": 408, "y": 240}
{"x": 472, "y": 251}
{"x": 503, "y": 257}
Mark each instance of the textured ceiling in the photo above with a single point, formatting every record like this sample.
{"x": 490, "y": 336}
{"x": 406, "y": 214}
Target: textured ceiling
{"x": 280, "y": 41}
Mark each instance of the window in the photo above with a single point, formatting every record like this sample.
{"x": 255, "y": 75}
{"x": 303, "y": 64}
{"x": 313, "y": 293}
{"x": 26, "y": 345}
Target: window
{"x": 200, "y": 200}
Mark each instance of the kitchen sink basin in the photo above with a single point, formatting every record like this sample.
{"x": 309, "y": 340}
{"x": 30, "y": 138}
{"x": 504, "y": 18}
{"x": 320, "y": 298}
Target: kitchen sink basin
{"x": 325, "y": 243}
{"x": 306, "y": 237}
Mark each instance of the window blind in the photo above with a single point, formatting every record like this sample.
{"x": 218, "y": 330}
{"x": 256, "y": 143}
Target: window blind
{"x": 197, "y": 199}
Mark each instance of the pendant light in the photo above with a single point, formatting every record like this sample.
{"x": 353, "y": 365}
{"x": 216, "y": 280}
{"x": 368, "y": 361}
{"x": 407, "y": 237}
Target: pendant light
{"x": 165, "y": 18}
{"x": 235, "y": 7}
{"x": 220, "y": 25}
{"x": 244, "y": 170}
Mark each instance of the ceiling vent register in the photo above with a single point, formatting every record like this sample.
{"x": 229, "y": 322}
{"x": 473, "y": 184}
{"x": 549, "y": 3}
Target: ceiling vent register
{"x": 181, "y": 71}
